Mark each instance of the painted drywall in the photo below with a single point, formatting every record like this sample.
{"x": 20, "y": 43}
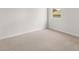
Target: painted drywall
{"x": 15, "y": 21}
{"x": 68, "y": 23}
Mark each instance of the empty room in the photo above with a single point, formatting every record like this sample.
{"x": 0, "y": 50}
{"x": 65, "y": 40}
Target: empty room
{"x": 39, "y": 29}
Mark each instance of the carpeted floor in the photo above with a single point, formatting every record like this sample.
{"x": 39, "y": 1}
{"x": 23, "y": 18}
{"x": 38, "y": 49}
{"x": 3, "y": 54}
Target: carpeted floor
{"x": 44, "y": 40}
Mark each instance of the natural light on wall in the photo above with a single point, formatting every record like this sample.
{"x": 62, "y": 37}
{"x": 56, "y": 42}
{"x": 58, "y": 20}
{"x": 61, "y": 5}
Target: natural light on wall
{"x": 56, "y": 12}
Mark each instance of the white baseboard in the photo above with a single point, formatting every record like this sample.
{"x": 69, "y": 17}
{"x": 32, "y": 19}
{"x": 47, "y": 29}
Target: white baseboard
{"x": 13, "y": 35}
{"x": 65, "y": 32}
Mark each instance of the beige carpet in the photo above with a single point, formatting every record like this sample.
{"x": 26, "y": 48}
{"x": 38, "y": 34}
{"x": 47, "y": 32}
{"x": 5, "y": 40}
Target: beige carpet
{"x": 44, "y": 40}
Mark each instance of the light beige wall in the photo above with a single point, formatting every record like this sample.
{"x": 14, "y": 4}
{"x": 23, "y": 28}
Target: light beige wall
{"x": 69, "y": 22}
{"x": 15, "y": 21}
